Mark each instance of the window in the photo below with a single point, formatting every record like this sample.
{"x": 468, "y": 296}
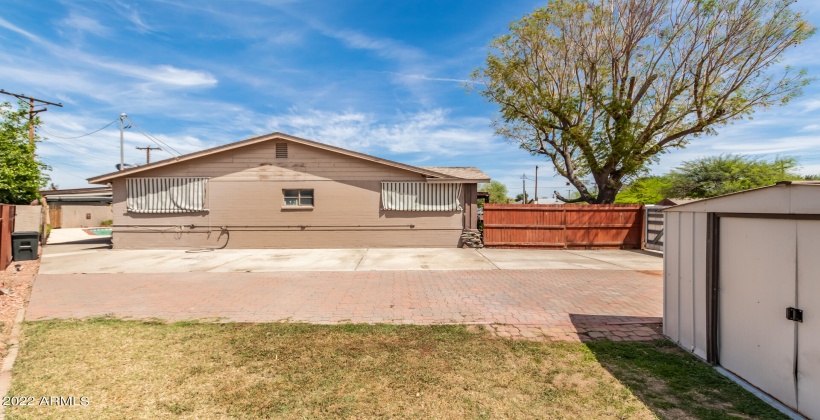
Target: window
{"x": 166, "y": 195}
{"x": 298, "y": 198}
{"x": 420, "y": 196}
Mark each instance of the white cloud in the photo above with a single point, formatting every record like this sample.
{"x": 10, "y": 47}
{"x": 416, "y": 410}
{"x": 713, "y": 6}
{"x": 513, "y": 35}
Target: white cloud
{"x": 8, "y": 25}
{"x": 84, "y": 24}
{"x": 431, "y": 132}
{"x": 133, "y": 15}
{"x": 163, "y": 74}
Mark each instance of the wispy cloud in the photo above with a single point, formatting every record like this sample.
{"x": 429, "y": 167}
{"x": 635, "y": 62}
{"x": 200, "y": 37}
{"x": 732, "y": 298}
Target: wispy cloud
{"x": 431, "y": 132}
{"x": 8, "y": 25}
{"x": 84, "y": 24}
{"x": 133, "y": 15}
{"x": 164, "y": 74}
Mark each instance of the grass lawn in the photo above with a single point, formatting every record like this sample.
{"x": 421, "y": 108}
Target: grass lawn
{"x": 132, "y": 369}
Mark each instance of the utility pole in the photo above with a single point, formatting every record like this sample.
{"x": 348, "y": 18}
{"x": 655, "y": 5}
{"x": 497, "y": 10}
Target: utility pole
{"x": 148, "y": 150}
{"x": 536, "y": 184}
{"x": 524, "y": 186}
{"x": 31, "y": 111}
{"x": 122, "y": 142}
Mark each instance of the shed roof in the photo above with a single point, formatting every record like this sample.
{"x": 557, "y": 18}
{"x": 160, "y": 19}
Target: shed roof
{"x": 785, "y": 197}
{"x": 456, "y": 174}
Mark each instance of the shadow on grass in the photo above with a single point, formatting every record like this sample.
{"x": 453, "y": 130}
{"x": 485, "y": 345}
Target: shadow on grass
{"x": 675, "y": 384}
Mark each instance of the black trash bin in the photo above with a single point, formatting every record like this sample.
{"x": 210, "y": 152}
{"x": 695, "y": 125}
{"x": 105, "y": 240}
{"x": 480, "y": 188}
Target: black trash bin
{"x": 24, "y": 245}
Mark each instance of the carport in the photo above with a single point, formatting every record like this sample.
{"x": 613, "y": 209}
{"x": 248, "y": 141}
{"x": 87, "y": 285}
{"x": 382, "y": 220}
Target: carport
{"x": 741, "y": 287}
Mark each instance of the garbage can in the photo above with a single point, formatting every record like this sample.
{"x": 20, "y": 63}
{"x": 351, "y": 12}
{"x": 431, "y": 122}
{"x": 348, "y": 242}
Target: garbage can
{"x": 24, "y": 245}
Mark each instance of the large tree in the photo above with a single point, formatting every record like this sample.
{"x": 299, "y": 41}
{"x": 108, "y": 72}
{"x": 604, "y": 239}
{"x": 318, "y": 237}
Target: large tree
{"x": 21, "y": 174}
{"x": 602, "y": 87}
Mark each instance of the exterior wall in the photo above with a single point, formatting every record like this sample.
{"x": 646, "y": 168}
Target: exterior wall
{"x": 685, "y": 247}
{"x": 76, "y": 215}
{"x": 28, "y": 219}
{"x": 245, "y": 195}
{"x": 684, "y": 259}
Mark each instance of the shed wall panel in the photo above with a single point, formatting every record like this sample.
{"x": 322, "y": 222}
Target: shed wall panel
{"x": 671, "y": 276}
{"x": 804, "y": 199}
{"x": 699, "y": 274}
{"x": 686, "y": 285}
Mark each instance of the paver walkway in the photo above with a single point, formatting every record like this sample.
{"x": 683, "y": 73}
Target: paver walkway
{"x": 530, "y": 304}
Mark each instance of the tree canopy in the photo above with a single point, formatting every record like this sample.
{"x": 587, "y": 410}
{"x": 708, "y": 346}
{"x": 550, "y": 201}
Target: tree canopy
{"x": 710, "y": 177}
{"x": 21, "y": 174}
{"x": 601, "y": 88}
{"x": 497, "y": 190}
{"x": 719, "y": 175}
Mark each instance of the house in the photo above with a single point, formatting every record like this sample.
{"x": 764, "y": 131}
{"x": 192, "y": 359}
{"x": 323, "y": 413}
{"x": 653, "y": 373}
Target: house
{"x": 79, "y": 207}
{"x": 281, "y": 191}
{"x": 741, "y": 288}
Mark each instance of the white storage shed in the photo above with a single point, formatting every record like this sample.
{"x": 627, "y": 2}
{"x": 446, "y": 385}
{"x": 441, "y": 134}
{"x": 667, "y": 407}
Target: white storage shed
{"x": 742, "y": 287}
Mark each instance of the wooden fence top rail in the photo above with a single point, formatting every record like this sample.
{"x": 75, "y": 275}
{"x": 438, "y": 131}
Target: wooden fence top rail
{"x": 561, "y": 207}
{"x": 519, "y": 226}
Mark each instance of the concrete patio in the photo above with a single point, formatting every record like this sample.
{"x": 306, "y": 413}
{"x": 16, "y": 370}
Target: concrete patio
{"x": 71, "y": 251}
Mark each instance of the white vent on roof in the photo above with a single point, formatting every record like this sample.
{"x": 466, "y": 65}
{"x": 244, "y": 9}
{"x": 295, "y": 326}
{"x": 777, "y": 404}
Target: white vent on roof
{"x": 281, "y": 150}
{"x": 420, "y": 196}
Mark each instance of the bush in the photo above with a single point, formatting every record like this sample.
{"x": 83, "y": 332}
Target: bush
{"x": 108, "y": 222}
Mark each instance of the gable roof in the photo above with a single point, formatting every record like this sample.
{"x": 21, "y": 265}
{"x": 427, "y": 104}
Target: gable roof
{"x": 430, "y": 173}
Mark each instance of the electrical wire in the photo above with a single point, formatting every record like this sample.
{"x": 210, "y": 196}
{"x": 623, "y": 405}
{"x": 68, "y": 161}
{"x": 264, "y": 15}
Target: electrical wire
{"x": 68, "y": 173}
{"x": 83, "y": 153}
{"x": 76, "y": 137}
{"x": 153, "y": 138}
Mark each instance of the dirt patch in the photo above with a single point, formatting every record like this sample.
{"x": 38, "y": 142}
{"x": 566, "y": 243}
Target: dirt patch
{"x": 16, "y": 280}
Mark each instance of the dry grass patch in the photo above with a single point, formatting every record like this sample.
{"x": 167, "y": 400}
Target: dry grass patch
{"x": 131, "y": 369}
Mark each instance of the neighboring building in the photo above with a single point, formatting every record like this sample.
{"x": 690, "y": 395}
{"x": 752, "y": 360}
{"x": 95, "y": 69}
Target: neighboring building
{"x": 78, "y": 208}
{"x": 280, "y": 191}
{"x": 741, "y": 288}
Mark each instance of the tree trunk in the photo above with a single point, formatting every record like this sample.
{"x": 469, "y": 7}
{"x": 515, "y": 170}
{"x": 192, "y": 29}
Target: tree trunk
{"x": 606, "y": 195}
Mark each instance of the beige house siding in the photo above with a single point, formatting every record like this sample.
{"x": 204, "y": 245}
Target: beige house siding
{"x": 245, "y": 195}
{"x": 77, "y": 215}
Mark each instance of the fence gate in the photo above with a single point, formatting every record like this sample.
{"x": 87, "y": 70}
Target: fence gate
{"x": 54, "y": 214}
{"x": 6, "y": 228}
{"x": 654, "y": 227}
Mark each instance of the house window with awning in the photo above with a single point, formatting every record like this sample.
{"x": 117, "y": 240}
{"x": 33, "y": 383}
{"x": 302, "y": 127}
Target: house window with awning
{"x": 166, "y": 195}
{"x": 420, "y": 196}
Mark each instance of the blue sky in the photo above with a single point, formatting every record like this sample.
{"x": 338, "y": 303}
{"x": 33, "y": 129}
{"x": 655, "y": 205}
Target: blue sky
{"x": 379, "y": 77}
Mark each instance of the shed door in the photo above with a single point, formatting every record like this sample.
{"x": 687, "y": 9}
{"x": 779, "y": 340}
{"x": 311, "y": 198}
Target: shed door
{"x": 808, "y": 299}
{"x": 757, "y": 283}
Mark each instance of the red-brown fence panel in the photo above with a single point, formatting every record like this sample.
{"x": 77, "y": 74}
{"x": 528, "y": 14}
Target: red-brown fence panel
{"x": 562, "y": 226}
{"x": 6, "y": 228}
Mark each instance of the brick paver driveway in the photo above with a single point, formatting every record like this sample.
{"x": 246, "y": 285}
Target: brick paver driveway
{"x": 533, "y": 304}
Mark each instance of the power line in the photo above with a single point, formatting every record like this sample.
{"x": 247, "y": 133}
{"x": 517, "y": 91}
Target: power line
{"x": 152, "y": 138}
{"x": 77, "y": 137}
{"x": 77, "y": 151}
{"x": 31, "y": 111}
{"x": 69, "y": 173}
{"x": 148, "y": 150}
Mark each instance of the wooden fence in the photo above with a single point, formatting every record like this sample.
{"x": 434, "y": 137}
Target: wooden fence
{"x": 6, "y": 228}
{"x": 561, "y": 226}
